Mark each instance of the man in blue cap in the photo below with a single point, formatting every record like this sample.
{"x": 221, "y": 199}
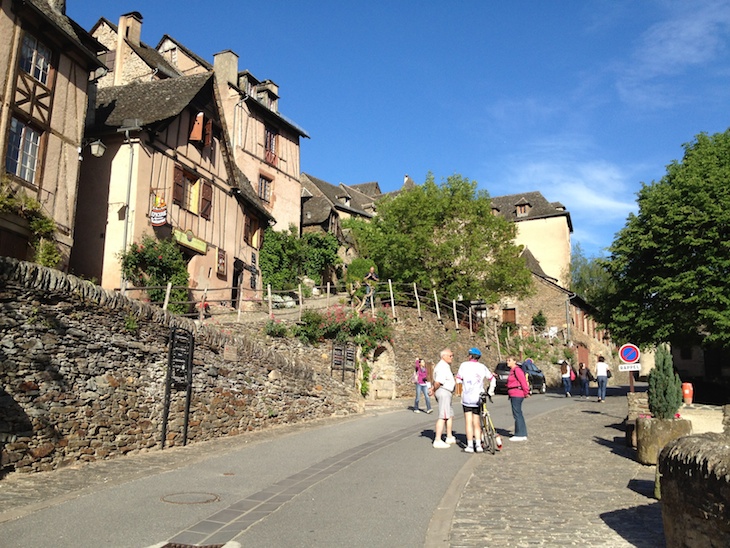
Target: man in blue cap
{"x": 472, "y": 375}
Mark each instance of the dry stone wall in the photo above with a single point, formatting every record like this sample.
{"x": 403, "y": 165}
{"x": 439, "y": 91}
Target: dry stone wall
{"x": 82, "y": 376}
{"x": 695, "y": 489}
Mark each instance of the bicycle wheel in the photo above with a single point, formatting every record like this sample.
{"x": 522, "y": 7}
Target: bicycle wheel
{"x": 488, "y": 441}
{"x": 491, "y": 435}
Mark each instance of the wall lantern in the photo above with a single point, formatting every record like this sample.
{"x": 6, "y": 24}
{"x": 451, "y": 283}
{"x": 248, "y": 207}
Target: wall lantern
{"x": 97, "y": 148}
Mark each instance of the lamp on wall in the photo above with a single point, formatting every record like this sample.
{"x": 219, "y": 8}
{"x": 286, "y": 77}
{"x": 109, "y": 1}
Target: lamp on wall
{"x": 97, "y": 148}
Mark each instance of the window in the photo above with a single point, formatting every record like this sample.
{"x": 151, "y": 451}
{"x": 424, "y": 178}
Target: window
{"x": 522, "y": 210}
{"x": 270, "y": 146}
{"x": 202, "y": 130}
{"x": 22, "y": 156}
{"x": 35, "y": 58}
{"x": 264, "y": 189}
{"x": 192, "y": 193}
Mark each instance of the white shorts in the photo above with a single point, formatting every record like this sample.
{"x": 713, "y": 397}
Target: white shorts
{"x": 443, "y": 397}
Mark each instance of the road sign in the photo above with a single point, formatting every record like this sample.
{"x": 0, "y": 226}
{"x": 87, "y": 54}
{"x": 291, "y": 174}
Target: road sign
{"x": 629, "y": 353}
{"x": 629, "y": 366}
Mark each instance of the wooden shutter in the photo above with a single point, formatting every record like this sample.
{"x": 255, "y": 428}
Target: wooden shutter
{"x": 206, "y": 204}
{"x": 178, "y": 188}
{"x": 208, "y": 139}
{"x": 196, "y": 134}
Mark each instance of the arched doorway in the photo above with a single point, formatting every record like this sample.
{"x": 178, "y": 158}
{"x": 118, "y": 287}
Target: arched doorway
{"x": 382, "y": 373}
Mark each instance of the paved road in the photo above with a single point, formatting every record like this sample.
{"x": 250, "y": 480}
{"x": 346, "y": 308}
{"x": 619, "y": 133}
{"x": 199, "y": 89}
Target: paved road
{"x": 372, "y": 480}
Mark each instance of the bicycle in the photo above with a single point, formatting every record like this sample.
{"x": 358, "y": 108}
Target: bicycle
{"x": 491, "y": 441}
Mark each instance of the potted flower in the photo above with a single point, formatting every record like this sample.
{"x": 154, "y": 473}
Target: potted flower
{"x": 665, "y": 398}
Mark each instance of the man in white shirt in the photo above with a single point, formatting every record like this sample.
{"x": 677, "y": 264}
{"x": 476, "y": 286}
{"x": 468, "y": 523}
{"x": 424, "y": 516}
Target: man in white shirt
{"x": 442, "y": 389}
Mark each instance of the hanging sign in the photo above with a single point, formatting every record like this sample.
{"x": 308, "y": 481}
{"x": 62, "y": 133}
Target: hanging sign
{"x": 158, "y": 213}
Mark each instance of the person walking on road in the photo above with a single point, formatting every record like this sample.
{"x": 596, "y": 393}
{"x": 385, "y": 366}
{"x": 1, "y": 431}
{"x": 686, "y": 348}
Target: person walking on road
{"x": 421, "y": 378}
{"x": 585, "y": 377}
{"x": 443, "y": 388}
{"x": 517, "y": 389}
{"x": 472, "y": 375}
{"x": 565, "y": 375}
{"x": 602, "y": 373}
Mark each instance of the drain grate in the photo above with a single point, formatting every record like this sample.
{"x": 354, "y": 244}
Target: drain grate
{"x": 177, "y": 545}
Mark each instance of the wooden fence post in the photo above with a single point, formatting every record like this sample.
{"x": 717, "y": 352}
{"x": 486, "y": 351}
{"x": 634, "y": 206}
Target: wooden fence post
{"x": 456, "y": 319}
{"x": 328, "y": 294}
{"x": 271, "y": 306}
{"x": 438, "y": 311}
{"x": 167, "y": 295}
{"x": 301, "y": 303}
{"x": 418, "y": 301}
{"x": 392, "y": 300}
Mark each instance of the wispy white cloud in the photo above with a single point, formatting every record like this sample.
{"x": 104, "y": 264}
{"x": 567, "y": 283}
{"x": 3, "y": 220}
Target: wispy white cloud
{"x": 693, "y": 34}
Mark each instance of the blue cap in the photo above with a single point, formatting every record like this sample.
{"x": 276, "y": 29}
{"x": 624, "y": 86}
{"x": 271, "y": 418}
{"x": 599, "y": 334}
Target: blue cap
{"x": 475, "y": 352}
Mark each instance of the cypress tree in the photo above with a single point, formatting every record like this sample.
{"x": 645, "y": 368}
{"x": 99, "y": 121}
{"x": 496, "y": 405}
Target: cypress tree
{"x": 665, "y": 387}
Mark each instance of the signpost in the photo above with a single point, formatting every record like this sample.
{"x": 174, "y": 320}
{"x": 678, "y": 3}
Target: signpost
{"x": 629, "y": 354}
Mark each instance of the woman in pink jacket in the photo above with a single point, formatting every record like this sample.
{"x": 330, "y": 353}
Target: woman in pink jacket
{"x": 517, "y": 390}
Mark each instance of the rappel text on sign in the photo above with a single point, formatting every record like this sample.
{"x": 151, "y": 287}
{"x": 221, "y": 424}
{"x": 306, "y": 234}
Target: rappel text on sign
{"x": 629, "y": 367}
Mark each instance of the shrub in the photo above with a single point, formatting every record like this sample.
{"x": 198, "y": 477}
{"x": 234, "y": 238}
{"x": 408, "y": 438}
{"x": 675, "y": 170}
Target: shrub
{"x": 665, "y": 387}
{"x": 275, "y": 328}
{"x": 153, "y": 264}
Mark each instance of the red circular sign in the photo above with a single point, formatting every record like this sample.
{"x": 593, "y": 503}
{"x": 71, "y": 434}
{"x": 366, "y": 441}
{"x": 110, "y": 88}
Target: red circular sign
{"x": 629, "y": 353}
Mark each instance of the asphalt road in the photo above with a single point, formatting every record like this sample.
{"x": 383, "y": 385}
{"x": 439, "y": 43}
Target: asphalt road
{"x": 372, "y": 480}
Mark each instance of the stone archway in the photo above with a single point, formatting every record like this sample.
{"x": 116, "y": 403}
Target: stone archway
{"x": 382, "y": 373}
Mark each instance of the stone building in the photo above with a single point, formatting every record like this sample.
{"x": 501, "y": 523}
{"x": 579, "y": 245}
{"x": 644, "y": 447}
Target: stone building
{"x": 542, "y": 227}
{"x": 47, "y": 64}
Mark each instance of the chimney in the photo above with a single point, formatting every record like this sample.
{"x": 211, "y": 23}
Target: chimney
{"x": 130, "y": 27}
{"x": 58, "y": 5}
{"x": 225, "y": 66}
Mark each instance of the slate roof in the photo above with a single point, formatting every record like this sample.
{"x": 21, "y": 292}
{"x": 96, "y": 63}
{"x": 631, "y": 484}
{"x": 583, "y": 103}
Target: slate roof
{"x": 371, "y": 189}
{"x": 315, "y": 210}
{"x": 150, "y": 101}
{"x": 202, "y": 62}
{"x": 151, "y": 57}
{"x": 85, "y": 43}
{"x": 533, "y": 265}
{"x": 539, "y": 208}
{"x": 358, "y": 200}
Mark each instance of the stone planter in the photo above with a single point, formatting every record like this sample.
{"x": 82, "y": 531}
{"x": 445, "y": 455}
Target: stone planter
{"x": 653, "y": 434}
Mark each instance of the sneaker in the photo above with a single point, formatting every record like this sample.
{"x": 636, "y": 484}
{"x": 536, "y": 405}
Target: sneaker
{"x": 518, "y": 438}
{"x": 438, "y": 444}
{"x": 468, "y": 449}
{"x": 416, "y": 410}
{"x": 568, "y": 395}
{"x": 479, "y": 448}
{"x": 451, "y": 440}
{"x": 429, "y": 411}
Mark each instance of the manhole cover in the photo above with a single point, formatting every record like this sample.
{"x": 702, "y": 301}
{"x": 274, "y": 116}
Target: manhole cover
{"x": 177, "y": 545}
{"x": 190, "y": 498}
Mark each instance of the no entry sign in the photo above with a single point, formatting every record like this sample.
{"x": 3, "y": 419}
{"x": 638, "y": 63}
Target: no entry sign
{"x": 629, "y": 353}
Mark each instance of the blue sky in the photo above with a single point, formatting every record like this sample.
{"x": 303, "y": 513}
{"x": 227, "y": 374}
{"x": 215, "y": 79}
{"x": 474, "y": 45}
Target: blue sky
{"x": 582, "y": 101}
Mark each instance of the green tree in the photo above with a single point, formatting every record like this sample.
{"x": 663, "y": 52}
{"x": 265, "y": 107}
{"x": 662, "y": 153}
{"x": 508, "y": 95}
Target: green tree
{"x": 589, "y": 277}
{"x": 285, "y": 257}
{"x": 671, "y": 260}
{"x": 155, "y": 263}
{"x": 665, "y": 387}
{"x": 445, "y": 236}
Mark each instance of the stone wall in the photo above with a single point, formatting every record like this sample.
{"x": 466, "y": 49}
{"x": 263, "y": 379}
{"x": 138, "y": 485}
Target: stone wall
{"x": 695, "y": 489}
{"x": 82, "y": 376}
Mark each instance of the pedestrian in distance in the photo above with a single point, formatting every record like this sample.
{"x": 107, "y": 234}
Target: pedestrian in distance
{"x": 517, "y": 389}
{"x": 420, "y": 378}
{"x": 443, "y": 388}
{"x": 566, "y": 373}
{"x": 471, "y": 375}
{"x": 371, "y": 278}
{"x": 602, "y": 373}
{"x": 585, "y": 377}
